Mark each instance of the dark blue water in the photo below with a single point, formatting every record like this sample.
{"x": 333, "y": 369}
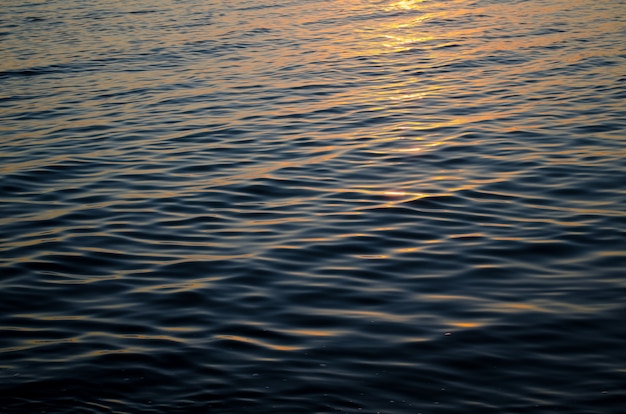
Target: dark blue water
{"x": 313, "y": 206}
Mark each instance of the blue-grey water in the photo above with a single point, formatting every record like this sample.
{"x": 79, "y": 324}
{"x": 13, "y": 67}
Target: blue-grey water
{"x": 313, "y": 206}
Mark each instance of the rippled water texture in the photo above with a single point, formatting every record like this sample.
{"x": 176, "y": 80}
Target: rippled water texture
{"x": 310, "y": 206}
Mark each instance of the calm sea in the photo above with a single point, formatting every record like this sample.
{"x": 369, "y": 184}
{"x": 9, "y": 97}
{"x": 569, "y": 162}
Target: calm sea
{"x": 313, "y": 206}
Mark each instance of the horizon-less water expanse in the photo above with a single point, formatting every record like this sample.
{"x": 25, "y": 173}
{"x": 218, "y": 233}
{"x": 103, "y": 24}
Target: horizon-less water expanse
{"x": 313, "y": 206}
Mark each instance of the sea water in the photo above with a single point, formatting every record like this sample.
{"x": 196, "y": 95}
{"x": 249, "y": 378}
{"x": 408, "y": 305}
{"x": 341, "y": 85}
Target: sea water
{"x": 313, "y": 206}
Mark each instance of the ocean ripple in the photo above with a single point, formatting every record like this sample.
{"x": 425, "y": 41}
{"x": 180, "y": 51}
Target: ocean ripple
{"x": 312, "y": 206}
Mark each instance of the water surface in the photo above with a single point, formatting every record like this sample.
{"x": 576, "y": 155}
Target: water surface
{"x": 313, "y": 206}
